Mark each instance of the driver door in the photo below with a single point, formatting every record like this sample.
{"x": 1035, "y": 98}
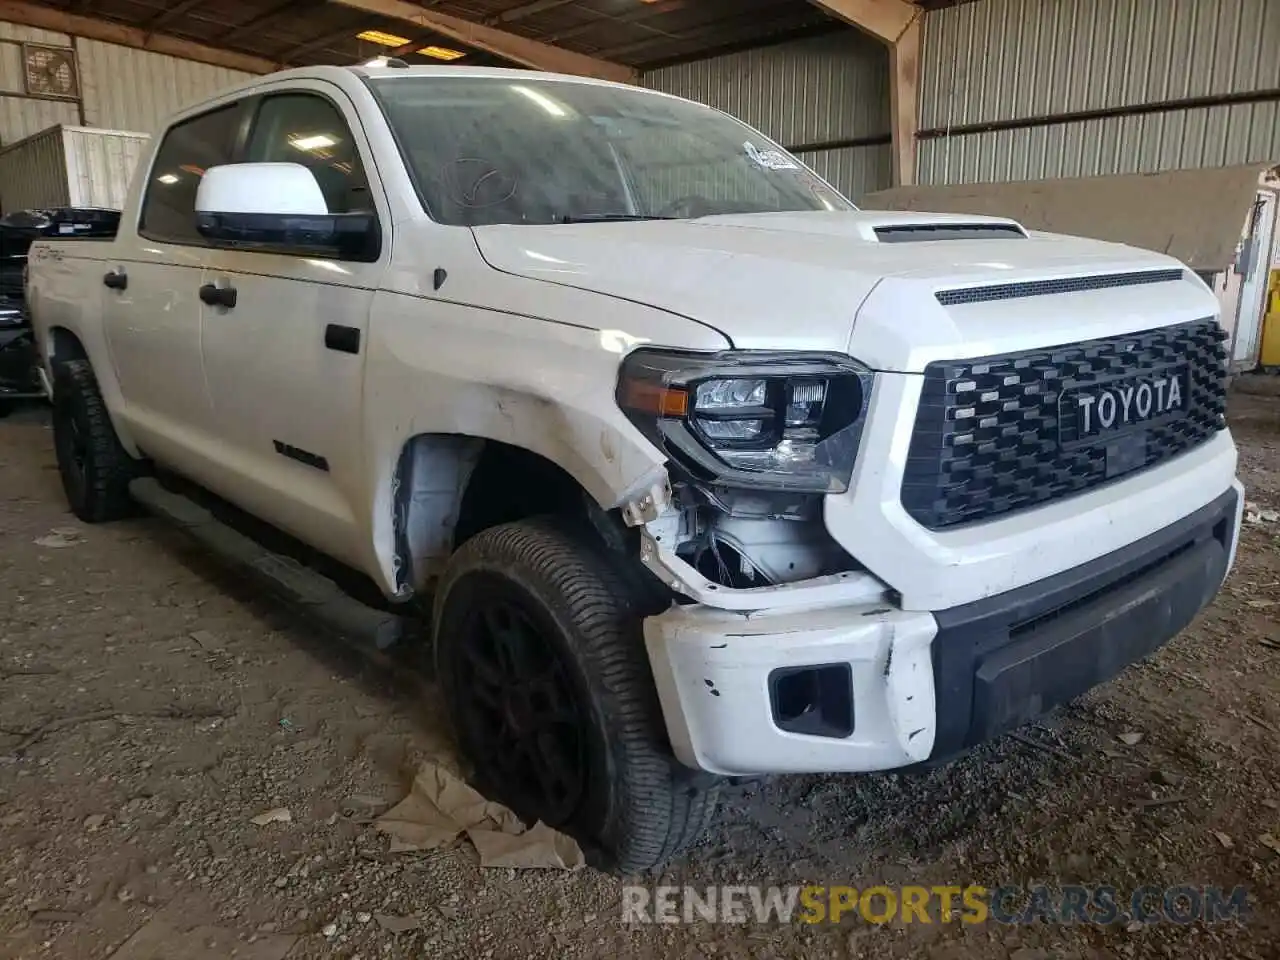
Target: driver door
{"x": 285, "y": 361}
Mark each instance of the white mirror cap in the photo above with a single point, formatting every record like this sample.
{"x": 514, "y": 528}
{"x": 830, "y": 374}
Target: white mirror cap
{"x": 278, "y": 188}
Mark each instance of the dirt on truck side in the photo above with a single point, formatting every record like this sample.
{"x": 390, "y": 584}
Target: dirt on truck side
{"x": 151, "y": 706}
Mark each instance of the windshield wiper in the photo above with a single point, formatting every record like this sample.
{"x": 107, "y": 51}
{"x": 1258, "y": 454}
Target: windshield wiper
{"x": 610, "y": 217}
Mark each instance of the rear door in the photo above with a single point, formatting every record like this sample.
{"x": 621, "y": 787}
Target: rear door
{"x": 285, "y": 365}
{"x": 150, "y": 308}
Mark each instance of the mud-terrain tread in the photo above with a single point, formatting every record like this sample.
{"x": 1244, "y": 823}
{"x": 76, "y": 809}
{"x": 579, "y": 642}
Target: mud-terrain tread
{"x": 658, "y": 808}
{"x": 109, "y": 468}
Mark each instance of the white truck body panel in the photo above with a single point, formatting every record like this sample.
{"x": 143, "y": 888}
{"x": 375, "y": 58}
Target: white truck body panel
{"x": 522, "y": 345}
{"x": 755, "y": 277}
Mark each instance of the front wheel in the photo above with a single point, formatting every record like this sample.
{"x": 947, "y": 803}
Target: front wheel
{"x": 541, "y": 658}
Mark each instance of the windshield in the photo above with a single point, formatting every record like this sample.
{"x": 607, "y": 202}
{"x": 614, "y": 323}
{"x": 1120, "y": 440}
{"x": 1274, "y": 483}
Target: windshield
{"x": 487, "y": 150}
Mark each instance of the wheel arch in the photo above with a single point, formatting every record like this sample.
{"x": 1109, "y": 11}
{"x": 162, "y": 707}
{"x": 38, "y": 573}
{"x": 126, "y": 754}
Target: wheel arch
{"x": 446, "y": 488}
{"x": 63, "y": 344}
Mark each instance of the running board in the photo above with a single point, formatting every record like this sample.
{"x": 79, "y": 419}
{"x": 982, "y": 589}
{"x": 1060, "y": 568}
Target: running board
{"x": 316, "y": 595}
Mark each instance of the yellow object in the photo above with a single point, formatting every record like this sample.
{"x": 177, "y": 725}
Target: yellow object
{"x": 1270, "y": 355}
{"x": 385, "y": 39}
{"x": 442, "y": 53}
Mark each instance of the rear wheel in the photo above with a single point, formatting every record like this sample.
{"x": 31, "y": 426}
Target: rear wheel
{"x": 94, "y": 467}
{"x": 541, "y": 657}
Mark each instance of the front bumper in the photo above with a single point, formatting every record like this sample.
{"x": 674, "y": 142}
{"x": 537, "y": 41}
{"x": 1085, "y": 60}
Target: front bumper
{"x": 925, "y": 686}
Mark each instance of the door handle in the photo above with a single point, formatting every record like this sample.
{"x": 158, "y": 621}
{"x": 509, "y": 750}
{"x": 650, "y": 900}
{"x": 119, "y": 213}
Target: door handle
{"x": 343, "y": 339}
{"x": 218, "y": 296}
{"x": 116, "y": 279}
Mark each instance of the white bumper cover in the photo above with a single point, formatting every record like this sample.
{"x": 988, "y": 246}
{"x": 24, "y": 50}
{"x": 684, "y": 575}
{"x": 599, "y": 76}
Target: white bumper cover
{"x": 712, "y": 666}
{"x": 712, "y": 669}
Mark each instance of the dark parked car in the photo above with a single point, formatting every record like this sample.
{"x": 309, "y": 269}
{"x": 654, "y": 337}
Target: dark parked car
{"x": 18, "y": 377}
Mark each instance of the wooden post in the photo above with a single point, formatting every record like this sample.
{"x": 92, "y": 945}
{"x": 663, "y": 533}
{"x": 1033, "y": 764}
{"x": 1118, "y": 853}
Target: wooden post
{"x": 896, "y": 24}
{"x": 904, "y": 102}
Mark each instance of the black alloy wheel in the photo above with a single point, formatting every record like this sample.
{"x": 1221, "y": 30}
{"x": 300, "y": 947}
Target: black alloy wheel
{"x": 540, "y": 655}
{"x": 72, "y": 449}
{"x": 522, "y": 717}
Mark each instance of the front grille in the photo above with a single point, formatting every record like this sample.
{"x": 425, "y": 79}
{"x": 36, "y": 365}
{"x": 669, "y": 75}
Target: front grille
{"x": 990, "y": 438}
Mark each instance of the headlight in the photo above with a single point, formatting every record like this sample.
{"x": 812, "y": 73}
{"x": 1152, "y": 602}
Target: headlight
{"x": 750, "y": 418}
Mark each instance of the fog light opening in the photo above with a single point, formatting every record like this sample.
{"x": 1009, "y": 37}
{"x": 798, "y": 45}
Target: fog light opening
{"x": 813, "y": 700}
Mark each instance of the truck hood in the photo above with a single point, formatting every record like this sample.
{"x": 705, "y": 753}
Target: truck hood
{"x": 836, "y": 282}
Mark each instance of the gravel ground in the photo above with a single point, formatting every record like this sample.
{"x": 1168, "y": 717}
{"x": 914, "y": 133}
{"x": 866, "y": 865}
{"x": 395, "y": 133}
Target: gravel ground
{"x": 151, "y": 705}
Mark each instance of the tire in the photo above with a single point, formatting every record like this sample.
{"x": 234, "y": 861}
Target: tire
{"x": 634, "y": 806}
{"x": 94, "y": 467}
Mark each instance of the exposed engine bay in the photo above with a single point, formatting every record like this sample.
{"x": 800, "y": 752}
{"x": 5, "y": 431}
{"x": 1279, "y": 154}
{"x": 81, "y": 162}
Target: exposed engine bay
{"x": 741, "y": 539}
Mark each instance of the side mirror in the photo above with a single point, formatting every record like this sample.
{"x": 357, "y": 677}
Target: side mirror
{"x": 279, "y": 208}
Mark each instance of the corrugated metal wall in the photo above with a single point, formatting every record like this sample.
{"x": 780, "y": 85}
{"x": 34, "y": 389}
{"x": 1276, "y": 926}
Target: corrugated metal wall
{"x": 822, "y": 90}
{"x": 120, "y": 88}
{"x": 1203, "y": 137}
{"x": 1001, "y": 61}
{"x": 20, "y": 117}
{"x": 127, "y": 89}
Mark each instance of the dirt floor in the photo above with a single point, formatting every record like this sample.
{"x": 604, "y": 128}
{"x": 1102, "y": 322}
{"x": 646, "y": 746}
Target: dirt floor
{"x": 151, "y": 705}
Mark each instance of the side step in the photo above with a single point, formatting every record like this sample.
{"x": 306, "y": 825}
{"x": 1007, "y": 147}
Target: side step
{"x": 318, "y": 596}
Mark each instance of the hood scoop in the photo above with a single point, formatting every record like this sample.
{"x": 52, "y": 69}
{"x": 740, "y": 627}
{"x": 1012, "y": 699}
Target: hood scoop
{"x": 922, "y": 232}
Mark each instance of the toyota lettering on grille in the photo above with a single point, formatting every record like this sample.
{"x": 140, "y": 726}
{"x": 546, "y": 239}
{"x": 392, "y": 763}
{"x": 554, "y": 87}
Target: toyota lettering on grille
{"x": 1103, "y": 409}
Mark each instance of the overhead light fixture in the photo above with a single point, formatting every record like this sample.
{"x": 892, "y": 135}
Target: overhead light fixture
{"x": 316, "y": 142}
{"x": 541, "y": 99}
{"x": 167, "y": 178}
{"x": 382, "y": 39}
{"x": 442, "y": 53}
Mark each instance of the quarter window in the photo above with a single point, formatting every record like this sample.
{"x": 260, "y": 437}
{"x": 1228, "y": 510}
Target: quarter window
{"x": 306, "y": 129}
{"x": 187, "y": 151}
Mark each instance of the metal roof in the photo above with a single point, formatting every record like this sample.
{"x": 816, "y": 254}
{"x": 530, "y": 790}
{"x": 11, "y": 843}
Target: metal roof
{"x": 637, "y": 33}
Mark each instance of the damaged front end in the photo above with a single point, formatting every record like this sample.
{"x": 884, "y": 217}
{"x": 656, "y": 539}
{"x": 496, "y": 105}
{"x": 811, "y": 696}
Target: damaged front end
{"x": 782, "y": 653}
{"x": 756, "y": 440}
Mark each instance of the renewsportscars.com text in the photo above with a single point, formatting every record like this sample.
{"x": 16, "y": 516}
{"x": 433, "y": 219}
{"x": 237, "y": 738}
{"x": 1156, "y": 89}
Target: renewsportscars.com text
{"x": 969, "y": 904}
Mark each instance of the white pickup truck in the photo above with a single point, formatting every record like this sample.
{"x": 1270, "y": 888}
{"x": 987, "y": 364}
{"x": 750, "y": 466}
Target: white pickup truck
{"x": 706, "y": 472}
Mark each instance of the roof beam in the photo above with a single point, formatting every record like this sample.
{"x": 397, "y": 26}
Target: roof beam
{"x": 46, "y": 18}
{"x": 271, "y": 13}
{"x": 886, "y": 20}
{"x": 636, "y": 18}
{"x": 319, "y": 43}
{"x": 510, "y": 46}
{"x": 170, "y": 13}
{"x": 527, "y": 10}
{"x": 411, "y": 47}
